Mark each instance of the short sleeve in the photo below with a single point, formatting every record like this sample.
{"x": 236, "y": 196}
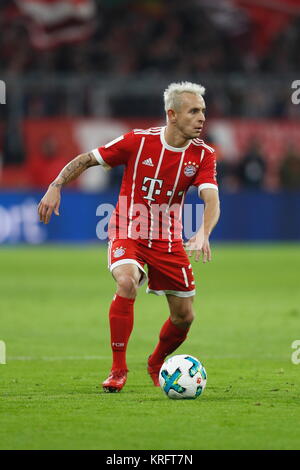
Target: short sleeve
{"x": 206, "y": 176}
{"x": 117, "y": 152}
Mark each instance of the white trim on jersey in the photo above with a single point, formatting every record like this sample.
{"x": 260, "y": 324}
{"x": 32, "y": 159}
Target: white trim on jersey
{"x": 207, "y": 186}
{"x": 170, "y": 234}
{"x": 159, "y": 162}
{"x": 151, "y": 131}
{"x": 109, "y": 253}
{"x": 169, "y": 147}
{"x": 177, "y": 178}
{"x": 151, "y": 225}
{"x": 149, "y": 202}
{"x": 185, "y": 277}
{"x": 181, "y": 204}
{"x": 130, "y": 261}
{"x": 133, "y": 186}
{"x": 177, "y": 293}
{"x": 100, "y": 160}
{"x": 171, "y": 197}
{"x": 202, "y": 155}
{"x": 112, "y": 142}
{"x": 199, "y": 143}
{"x": 146, "y": 133}
{"x": 210, "y": 149}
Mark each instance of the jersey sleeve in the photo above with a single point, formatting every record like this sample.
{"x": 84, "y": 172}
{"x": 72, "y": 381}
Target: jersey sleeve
{"x": 117, "y": 152}
{"x": 206, "y": 176}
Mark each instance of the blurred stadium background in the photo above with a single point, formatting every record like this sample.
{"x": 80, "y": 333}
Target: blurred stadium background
{"x": 80, "y": 72}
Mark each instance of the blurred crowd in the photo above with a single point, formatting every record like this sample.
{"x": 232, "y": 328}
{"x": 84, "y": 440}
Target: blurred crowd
{"x": 163, "y": 37}
{"x": 251, "y": 171}
{"x": 157, "y": 39}
{"x": 247, "y": 70}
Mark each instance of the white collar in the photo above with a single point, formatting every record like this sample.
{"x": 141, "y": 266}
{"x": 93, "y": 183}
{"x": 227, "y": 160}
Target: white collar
{"x": 169, "y": 147}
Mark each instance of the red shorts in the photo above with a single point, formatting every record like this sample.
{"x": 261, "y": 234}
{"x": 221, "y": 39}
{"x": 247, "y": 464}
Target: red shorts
{"x": 168, "y": 273}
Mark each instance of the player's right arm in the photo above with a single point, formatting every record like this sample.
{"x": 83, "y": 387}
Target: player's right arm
{"x": 117, "y": 152}
{"x": 51, "y": 200}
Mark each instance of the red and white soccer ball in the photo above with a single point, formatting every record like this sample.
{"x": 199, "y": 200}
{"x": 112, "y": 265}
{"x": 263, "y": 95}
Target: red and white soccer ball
{"x": 182, "y": 376}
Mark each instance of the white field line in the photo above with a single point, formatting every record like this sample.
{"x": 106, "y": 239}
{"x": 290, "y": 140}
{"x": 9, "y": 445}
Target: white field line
{"x": 93, "y": 358}
{"x": 56, "y": 358}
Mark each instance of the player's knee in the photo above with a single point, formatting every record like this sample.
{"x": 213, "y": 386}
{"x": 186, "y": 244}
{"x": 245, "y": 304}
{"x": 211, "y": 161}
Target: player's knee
{"x": 188, "y": 317}
{"x": 127, "y": 286}
{"x": 184, "y": 316}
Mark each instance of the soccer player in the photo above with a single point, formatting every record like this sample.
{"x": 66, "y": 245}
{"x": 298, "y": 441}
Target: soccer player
{"x": 161, "y": 163}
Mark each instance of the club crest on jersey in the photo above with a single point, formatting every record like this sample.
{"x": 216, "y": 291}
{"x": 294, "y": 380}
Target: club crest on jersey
{"x": 190, "y": 168}
{"x": 118, "y": 252}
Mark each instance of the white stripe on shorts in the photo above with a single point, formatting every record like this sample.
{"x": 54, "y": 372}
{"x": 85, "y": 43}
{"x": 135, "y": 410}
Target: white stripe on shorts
{"x": 185, "y": 277}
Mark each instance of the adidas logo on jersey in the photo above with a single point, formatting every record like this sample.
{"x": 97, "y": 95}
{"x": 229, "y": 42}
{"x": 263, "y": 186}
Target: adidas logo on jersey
{"x": 148, "y": 162}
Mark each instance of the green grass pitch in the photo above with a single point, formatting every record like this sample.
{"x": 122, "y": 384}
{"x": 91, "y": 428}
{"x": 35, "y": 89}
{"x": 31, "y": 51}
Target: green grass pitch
{"x": 53, "y": 319}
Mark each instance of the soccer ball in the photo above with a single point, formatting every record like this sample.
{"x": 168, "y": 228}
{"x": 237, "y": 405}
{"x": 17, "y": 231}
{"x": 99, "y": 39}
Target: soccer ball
{"x": 182, "y": 376}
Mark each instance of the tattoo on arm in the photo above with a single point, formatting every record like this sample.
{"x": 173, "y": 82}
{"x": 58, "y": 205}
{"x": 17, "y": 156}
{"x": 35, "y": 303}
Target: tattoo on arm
{"x": 73, "y": 169}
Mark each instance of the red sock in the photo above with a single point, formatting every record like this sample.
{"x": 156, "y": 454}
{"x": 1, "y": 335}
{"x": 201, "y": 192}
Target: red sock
{"x": 121, "y": 324}
{"x": 170, "y": 338}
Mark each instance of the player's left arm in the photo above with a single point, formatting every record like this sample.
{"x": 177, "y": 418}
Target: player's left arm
{"x": 199, "y": 243}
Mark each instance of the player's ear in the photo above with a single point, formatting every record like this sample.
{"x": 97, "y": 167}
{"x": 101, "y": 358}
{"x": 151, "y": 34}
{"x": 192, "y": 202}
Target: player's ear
{"x": 171, "y": 115}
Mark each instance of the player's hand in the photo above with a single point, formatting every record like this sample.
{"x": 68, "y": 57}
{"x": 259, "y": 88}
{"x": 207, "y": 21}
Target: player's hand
{"x": 198, "y": 246}
{"x": 206, "y": 253}
{"x": 49, "y": 203}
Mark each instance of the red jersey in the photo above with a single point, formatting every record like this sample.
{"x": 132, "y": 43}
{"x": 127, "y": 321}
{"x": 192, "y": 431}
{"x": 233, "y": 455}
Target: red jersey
{"x": 155, "y": 181}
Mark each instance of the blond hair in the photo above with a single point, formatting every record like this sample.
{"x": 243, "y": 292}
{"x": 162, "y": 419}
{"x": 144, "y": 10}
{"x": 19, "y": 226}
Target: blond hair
{"x": 174, "y": 90}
